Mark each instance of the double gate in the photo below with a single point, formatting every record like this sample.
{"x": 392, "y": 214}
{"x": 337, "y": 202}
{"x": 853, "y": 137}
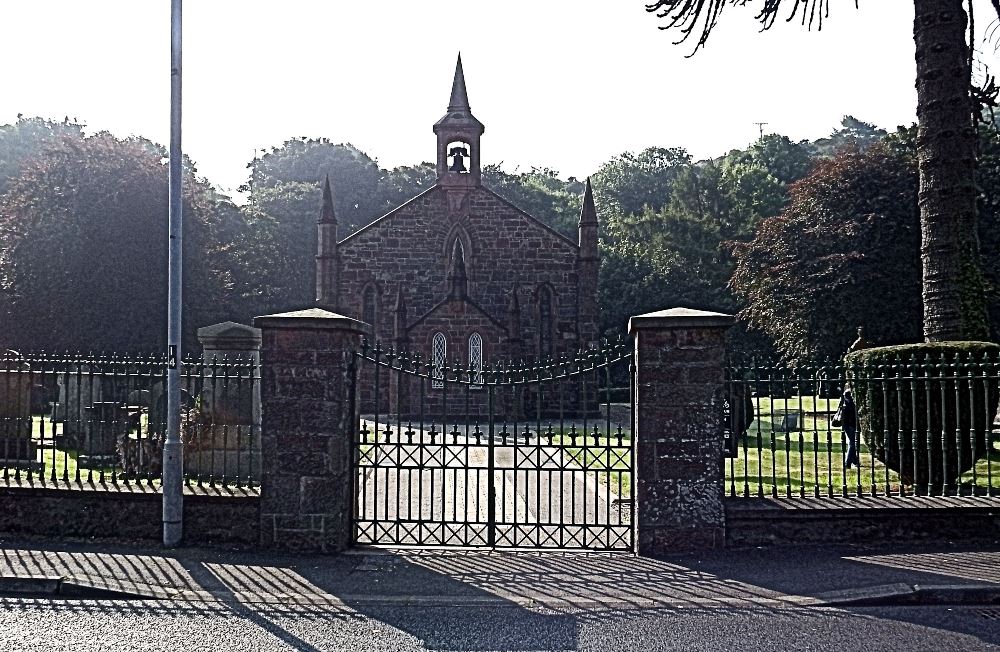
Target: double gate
{"x": 514, "y": 456}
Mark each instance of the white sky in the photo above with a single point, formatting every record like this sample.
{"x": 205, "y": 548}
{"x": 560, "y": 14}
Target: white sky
{"x": 560, "y": 84}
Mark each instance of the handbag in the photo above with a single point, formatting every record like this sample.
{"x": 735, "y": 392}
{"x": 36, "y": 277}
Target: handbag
{"x": 838, "y": 417}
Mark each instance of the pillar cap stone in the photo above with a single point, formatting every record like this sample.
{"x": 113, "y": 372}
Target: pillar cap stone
{"x": 312, "y": 318}
{"x": 229, "y": 334}
{"x": 680, "y": 318}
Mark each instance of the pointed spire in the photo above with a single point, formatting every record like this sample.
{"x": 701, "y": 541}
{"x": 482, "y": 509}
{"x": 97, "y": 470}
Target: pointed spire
{"x": 400, "y": 303}
{"x": 513, "y": 315}
{"x": 459, "y": 279}
{"x": 513, "y": 305}
{"x": 588, "y": 214}
{"x": 459, "y": 96}
{"x": 399, "y": 323}
{"x": 327, "y": 215}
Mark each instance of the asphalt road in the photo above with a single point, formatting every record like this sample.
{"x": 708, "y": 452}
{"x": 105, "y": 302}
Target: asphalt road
{"x": 92, "y": 625}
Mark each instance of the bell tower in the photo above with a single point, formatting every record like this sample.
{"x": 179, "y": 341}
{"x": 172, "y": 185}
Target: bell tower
{"x": 458, "y": 135}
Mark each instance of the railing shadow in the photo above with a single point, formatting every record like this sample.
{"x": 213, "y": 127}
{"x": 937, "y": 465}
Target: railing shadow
{"x": 476, "y": 600}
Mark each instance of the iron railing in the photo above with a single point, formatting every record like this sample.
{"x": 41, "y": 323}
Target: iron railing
{"x": 925, "y": 427}
{"x": 102, "y": 419}
{"x": 516, "y": 455}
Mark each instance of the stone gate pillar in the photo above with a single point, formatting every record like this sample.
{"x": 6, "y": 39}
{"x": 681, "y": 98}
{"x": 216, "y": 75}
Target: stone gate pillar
{"x": 679, "y": 357}
{"x": 309, "y": 416}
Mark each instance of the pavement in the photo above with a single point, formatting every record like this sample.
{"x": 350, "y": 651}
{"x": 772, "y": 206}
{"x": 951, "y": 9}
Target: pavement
{"x": 773, "y": 577}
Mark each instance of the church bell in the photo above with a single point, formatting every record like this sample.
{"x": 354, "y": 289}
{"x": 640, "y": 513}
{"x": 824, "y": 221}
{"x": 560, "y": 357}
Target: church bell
{"x": 459, "y": 154}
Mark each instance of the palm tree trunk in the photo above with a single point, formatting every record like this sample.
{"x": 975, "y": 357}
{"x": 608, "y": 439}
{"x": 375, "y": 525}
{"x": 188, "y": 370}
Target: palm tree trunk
{"x": 946, "y": 153}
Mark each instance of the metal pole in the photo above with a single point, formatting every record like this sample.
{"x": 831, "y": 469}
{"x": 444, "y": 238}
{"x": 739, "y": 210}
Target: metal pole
{"x": 173, "y": 459}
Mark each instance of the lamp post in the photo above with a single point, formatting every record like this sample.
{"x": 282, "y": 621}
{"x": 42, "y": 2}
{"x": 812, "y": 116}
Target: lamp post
{"x": 173, "y": 458}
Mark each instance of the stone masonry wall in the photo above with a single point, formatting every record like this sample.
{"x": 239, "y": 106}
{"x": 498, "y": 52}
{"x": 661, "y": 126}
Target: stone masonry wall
{"x": 411, "y": 246}
{"x": 754, "y": 522}
{"x": 96, "y": 513}
{"x": 679, "y": 490}
{"x": 309, "y": 420}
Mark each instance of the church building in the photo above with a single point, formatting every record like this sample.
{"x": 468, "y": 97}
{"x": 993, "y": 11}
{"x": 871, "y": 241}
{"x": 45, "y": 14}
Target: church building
{"x": 458, "y": 273}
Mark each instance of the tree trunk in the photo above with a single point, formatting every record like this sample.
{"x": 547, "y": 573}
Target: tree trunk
{"x": 946, "y": 153}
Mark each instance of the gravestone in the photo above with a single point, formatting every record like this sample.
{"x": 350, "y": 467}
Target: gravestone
{"x": 225, "y": 437}
{"x": 39, "y": 399}
{"x": 105, "y": 420}
{"x": 16, "y": 445}
{"x": 789, "y": 422}
{"x": 80, "y": 385}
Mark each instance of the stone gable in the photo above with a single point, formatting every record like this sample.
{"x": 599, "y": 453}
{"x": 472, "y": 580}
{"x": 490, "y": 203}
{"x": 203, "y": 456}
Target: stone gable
{"x": 411, "y": 247}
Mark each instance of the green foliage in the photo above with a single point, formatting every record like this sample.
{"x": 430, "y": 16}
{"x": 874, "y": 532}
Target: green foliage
{"x": 844, "y": 253}
{"x": 629, "y": 183}
{"x": 784, "y": 160}
{"x": 288, "y": 179}
{"x": 405, "y": 182}
{"x": 83, "y": 256}
{"x": 674, "y": 250}
{"x": 926, "y": 410}
{"x": 669, "y": 257}
{"x": 852, "y": 134}
{"x": 24, "y": 140}
{"x": 988, "y": 214}
{"x": 285, "y": 188}
{"x": 541, "y": 194}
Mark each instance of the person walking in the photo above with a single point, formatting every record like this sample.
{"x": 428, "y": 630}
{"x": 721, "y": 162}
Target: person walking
{"x": 847, "y": 415}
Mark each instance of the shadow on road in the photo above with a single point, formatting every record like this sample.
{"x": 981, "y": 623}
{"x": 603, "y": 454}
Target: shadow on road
{"x": 481, "y": 600}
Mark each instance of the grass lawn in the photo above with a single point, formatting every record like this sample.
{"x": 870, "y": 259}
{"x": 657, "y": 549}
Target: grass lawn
{"x": 608, "y": 465}
{"x": 810, "y": 461}
{"x": 62, "y": 460}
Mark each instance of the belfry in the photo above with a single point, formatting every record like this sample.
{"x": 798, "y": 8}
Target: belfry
{"x": 459, "y": 274}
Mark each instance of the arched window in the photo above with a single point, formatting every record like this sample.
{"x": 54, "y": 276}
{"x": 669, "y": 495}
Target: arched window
{"x": 476, "y": 359}
{"x": 544, "y": 321}
{"x": 368, "y": 305}
{"x": 439, "y": 357}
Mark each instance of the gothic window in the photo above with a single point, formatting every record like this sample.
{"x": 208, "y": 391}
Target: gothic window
{"x": 476, "y": 359}
{"x": 439, "y": 357}
{"x": 368, "y": 305}
{"x": 544, "y": 321}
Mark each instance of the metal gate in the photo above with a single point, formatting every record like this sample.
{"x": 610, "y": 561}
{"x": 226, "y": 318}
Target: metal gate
{"x": 514, "y": 456}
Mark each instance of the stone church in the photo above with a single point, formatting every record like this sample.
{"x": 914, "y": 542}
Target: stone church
{"x": 458, "y": 273}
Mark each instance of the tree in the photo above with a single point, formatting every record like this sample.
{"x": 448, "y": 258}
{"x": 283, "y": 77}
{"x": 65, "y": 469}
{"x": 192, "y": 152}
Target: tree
{"x": 784, "y": 160}
{"x": 627, "y": 184}
{"x": 843, "y": 254}
{"x": 289, "y": 177}
{"x": 25, "y": 139}
{"x": 852, "y": 133}
{"x": 951, "y": 282}
{"x": 285, "y": 195}
{"x": 83, "y": 256}
{"x": 404, "y": 182}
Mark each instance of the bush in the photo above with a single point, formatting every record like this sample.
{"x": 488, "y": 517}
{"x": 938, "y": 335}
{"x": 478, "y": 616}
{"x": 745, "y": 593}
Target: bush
{"x": 925, "y": 410}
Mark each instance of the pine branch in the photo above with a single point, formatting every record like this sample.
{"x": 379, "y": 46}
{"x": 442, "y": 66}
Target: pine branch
{"x": 701, "y": 16}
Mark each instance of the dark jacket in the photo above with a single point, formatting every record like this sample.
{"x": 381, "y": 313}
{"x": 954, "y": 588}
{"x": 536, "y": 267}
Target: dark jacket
{"x": 848, "y": 412}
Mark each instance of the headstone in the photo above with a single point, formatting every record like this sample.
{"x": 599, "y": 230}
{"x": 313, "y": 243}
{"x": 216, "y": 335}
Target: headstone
{"x": 789, "y": 422}
{"x": 39, "y": 399}
{"x": 139, "y": 398}
{"x": 224, "y": 439}
{"x": 80, "y": 386}
{"x": 16, "y": 444}
{"x": 104, "y": 421}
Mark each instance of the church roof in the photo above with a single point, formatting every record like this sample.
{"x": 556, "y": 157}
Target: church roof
{"x": 533, "y": 220}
